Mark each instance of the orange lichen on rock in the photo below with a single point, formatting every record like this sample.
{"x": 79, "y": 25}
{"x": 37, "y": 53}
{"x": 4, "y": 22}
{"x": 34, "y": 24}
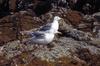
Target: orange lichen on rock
{"x": 59, "y": 62}
{"x": 74, "y": 17}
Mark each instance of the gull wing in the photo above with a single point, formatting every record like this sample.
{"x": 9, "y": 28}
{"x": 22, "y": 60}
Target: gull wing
{"x": 46, "y": 27}
{"x": 38, "y": 35}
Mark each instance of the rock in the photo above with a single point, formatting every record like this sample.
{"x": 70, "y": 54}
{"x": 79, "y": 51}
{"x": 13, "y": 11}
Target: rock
{"x": 90, "y": 59}
{"x": 96, "y": 27}
{"x": 78, "y": 45}
{"x": 97, "y": 16}
{"x": 76, "y": 34}
{"x": 88, "y": 18}
{"x": 98, "y": 34}
{"x": 86, "y": 6}
{"x": 4, "y": 61}
{"x": 43, "y": 7}
{"x": 95, "y": 42}
{"x": 4, "y": 8}
{"x": 64, "y": 47}
{"x": 80, "y": 26}
{"x": 71, "y": 16}
{"x": 12, "y": 5}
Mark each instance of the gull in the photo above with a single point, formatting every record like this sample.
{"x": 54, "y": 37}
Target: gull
{"x": 45, "y": 34}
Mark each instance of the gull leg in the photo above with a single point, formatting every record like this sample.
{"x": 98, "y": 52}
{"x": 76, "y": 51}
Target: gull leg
{"x": 50, "y": 45}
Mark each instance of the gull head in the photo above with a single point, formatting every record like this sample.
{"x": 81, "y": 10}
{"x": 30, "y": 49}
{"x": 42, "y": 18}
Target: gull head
{"x": 57, "y": 18}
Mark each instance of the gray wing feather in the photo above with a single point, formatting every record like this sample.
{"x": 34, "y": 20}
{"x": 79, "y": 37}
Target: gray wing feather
{"x": 46, "y": 27}
{"x": 38, "y": 35}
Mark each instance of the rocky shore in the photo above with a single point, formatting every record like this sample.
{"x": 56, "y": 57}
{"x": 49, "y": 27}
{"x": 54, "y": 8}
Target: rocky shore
{"x": 78, "y": 45}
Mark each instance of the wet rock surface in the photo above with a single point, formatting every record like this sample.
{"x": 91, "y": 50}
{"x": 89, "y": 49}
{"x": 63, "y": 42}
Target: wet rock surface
{"x": 78, "y": 45}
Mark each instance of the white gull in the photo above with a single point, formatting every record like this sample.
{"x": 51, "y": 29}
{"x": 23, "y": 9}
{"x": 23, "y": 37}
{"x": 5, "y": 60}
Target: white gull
{"x": 45, "y": 34}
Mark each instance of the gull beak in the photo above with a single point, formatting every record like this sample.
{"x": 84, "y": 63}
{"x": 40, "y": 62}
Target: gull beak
{"x": 58, "y": 32}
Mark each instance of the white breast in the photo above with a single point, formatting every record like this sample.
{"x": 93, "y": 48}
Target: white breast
{"x": 49, "y": 37}
{"x": 55, "y": 26}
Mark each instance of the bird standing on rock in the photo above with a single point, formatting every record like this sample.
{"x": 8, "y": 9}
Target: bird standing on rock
{"x": 46, "y": 34}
